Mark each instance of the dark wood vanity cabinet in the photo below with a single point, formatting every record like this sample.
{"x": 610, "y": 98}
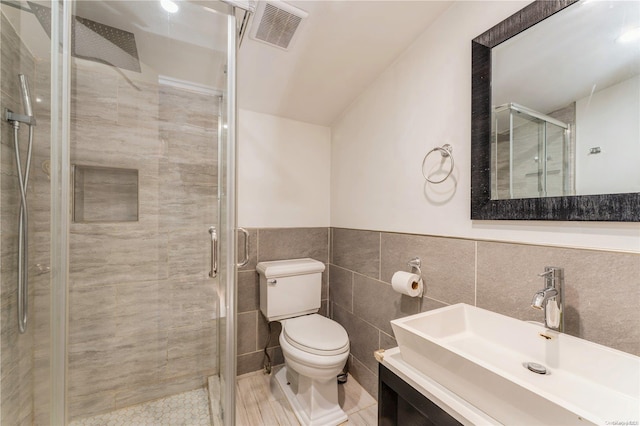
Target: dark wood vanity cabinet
{"x": 402, "y": 405}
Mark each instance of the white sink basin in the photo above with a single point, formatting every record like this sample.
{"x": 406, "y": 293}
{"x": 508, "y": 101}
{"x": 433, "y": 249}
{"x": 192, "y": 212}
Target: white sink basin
{"x": 480, "y": 356}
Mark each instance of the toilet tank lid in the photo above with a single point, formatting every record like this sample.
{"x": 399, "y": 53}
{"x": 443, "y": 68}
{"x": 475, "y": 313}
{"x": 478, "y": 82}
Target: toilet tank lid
{"x": 287, "y": 268}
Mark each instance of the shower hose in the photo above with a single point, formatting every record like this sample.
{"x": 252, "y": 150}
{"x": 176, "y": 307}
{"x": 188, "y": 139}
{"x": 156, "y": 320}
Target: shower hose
{"x": 23, "y": 230}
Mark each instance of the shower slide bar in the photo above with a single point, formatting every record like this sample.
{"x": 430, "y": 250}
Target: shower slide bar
{"x": 23, "y": 181}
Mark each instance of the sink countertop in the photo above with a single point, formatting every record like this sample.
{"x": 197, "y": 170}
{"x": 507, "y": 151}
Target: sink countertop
{"x": 480, "y": 357}
{"x": 455, "y": 406}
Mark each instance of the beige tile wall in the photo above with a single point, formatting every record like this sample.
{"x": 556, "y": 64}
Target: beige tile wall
{"x": 272, "y": 244}
{"x": 17, "y": 364}
{"x": 602, "y": 288}
{"x": 142, "y": 317}
{"x": 40, "y": 211}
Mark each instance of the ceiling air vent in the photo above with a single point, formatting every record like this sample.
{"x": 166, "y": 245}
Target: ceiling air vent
{"x": 276, "y": 23}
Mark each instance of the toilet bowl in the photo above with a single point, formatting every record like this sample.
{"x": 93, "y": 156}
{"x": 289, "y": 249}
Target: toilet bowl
{"x": 315, "y": 350}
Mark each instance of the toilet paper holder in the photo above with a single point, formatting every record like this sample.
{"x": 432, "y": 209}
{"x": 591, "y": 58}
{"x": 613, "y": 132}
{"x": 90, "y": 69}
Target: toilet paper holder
{"x": 409, "y": 283}
{"x": 415, "y": 263}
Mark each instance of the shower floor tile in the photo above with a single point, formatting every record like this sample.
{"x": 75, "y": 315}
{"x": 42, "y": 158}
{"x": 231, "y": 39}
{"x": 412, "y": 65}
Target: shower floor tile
{"x": 185, "y": 409}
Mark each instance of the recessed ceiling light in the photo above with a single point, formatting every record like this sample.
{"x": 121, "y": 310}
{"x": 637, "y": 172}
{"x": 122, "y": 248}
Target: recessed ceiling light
{"x": 630, "y": 35}
{"x": 169, "y": 5}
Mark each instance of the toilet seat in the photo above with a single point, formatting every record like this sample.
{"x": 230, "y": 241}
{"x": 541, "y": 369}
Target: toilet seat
{"x": 316, "y": 334}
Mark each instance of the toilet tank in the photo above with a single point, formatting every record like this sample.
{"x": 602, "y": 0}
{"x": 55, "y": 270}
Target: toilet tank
{"x": 290, "y": 288}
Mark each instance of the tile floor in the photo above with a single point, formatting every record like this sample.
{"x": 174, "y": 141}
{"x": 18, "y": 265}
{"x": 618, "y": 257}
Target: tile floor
{"x": 259, "y": 402}
{"x": 184, "y": 409}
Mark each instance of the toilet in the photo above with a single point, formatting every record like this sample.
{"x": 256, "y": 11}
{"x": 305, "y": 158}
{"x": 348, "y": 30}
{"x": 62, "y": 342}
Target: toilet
{"x": 315, "y": 348}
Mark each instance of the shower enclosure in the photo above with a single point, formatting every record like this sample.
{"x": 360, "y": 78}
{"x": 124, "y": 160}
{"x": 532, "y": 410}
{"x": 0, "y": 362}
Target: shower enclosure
{"x": 530, "y": 154}
{"x": 110, "y": 270}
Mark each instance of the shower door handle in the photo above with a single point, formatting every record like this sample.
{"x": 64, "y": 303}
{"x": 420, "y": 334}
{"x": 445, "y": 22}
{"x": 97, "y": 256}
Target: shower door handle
{"x": 246, "y": 247}
{"x": 214, "y": 252}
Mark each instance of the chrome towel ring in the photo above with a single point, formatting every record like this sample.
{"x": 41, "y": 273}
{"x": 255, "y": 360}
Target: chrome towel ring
{"x": 445, "y": 150}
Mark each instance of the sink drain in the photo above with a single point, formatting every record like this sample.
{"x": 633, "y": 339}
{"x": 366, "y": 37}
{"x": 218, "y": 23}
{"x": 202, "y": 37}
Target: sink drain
{"x": 535, "y": 367}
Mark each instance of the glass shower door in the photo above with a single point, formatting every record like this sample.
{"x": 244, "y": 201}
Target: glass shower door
{"x": 106, "y": 302}
{"x": 25, "y": 218}
{"x": 148, "y": 120}
{"x": 530, "y": 154}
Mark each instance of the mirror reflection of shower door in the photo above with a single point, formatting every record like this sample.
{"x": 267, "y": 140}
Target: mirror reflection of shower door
{"x": 530, "y": 155}
{"x": 144, "y": 317}
{"x": 527, "y": 154}
{"x": 556, "y": 161}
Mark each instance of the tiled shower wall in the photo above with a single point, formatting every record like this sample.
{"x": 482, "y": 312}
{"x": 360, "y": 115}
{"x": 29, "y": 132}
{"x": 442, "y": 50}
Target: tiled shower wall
{"x": 142, "y": 310}
{"x": 16, "y": 350}
{"x": 272, "y": 244}
{"x": 602, "y": 289}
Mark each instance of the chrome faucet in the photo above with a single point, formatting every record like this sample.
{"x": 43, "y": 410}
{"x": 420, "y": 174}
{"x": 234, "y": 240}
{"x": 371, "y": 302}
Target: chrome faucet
{"x": 550, "y": 299}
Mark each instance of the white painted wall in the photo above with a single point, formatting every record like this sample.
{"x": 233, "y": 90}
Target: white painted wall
{"x": 283, "y": 172}
{"x": 609, "y": 119}
{"x": 423, "y": 100}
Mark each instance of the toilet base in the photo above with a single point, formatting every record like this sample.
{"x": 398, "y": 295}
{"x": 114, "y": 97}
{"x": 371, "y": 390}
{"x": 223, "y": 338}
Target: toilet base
{"x": 314, "y": 403}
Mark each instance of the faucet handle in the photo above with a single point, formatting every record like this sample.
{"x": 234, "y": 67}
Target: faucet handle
{"x": 552, "y": 272}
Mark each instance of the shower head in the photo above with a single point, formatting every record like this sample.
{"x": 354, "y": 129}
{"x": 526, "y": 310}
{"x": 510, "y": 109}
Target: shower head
{"x": 26, "y": 95}
{"x": 94, "y": 41}
{"x": 27, "y": 117}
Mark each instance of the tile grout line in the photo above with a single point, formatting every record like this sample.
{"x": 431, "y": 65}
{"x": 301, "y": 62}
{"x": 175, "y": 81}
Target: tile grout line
{"x": 353, "y": 284}
{"x": 258, "y": 311}
{"x": 328, "y": 271}
{"x": 475, "y": 275}
{"x": 257, "y": 246}
{"x": 380, "y": 256}
{"x": 257, "y": 330}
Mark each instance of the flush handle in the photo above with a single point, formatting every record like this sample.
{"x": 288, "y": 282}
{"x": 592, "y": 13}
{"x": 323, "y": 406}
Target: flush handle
{"x": 272, "y": 281}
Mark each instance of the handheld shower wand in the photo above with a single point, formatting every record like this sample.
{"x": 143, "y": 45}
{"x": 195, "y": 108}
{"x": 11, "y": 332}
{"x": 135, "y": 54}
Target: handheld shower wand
{"x": 26, "y": 95}
{"x": 23, "y": 181}
{"x": 27, "y": 118}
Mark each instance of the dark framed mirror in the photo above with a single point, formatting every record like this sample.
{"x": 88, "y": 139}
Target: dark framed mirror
{"x": 488, "y": 202}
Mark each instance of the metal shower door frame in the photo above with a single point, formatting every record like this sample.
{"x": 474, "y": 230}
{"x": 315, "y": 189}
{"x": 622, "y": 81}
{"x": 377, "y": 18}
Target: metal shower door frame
{"x": 61, "y": 67}
{"x": 227, "y": 222}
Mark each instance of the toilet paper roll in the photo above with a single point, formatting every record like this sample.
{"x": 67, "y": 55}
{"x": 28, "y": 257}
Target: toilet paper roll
{"x": 407, "y": 283}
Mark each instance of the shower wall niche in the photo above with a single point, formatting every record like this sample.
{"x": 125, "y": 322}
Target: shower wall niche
{"x": 105, "y": 194}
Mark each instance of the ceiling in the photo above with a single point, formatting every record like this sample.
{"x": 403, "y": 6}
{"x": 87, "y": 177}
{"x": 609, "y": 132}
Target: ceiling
{"x": 343, "y": 46}
{"x": 567, "y": 57}
{"x": 340, "y": 49}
